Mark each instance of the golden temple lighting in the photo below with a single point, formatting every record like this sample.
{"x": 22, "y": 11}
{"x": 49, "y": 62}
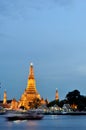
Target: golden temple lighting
{"x": 30, "y": 92}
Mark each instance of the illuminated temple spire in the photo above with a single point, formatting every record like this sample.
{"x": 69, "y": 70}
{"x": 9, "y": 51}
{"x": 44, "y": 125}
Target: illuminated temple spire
{"x": 30, "y": 92}
{"x": 31, "y": 73}
{"x": 56, "y": 95}
{"x": 5, "y": 97}
{"x": 31, "y": 83}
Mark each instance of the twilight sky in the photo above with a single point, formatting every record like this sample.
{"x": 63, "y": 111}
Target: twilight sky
{"x": 52, "y": 35}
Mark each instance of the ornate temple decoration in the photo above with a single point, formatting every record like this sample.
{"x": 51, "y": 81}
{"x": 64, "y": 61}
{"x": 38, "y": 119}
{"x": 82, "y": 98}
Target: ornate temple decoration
{"x": 5, "y": 98}
{"x": 30, "y": 92}
{"x": 56, "y": 95}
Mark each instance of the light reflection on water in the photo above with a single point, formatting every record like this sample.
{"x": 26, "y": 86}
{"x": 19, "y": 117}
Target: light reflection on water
{"x": 51, "y": 122}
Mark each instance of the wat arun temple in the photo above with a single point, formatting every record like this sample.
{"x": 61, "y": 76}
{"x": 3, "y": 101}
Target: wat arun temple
{"x": 29, "y": 95}
{"x": 30, "y": 92}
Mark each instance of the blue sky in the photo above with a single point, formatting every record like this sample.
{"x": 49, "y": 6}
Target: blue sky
{"x": 52, "y": 35}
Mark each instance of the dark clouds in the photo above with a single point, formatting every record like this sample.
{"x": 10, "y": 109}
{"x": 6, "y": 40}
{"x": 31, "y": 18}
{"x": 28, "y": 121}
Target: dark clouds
{"x": 20, "y": 7}
{"x": 64, "y": 2}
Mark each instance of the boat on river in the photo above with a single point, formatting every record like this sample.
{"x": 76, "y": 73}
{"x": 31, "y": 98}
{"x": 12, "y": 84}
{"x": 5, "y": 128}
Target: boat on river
{"x": 24, "y": 116}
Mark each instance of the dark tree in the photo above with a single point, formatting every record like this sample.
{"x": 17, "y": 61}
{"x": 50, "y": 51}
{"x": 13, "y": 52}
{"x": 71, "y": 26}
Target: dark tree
{"x": 62, "y": 102}
{"x": 52, "y": 103}
{"x": 72, "y": 97}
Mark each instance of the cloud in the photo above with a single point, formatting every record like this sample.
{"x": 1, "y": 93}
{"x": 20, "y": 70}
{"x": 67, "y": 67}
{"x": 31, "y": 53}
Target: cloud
{"x": 4, "y": 35}
{"x": 63, "y": 2}
{"x": 20, "y": 7}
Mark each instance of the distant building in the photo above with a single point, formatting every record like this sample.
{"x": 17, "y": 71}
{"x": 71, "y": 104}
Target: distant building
{"x": 56, "y": 95}
{"x": 5, "y": 98}
{"x": 5, "y": 103}
{"x": 14, "y": 104}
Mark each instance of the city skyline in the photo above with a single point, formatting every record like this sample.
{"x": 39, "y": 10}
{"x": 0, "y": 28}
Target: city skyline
{"x": 51, "y": 35}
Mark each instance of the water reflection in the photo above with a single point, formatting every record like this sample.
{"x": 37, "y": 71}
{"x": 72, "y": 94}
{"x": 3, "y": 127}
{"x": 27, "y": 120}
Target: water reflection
{"x": 52, "y": 122}
{"x": 32, "y": 123}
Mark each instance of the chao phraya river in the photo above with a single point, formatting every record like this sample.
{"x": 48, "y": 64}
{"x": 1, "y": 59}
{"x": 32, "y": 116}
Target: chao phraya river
{"x": 49, "y": 122}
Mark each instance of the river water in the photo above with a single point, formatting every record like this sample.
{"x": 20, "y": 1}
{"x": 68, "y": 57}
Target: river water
{"x": 49, "y": 122}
